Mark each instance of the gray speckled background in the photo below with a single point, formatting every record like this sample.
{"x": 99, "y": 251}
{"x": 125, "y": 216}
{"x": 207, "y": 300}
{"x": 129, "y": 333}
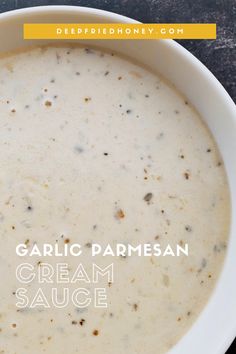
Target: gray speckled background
{"x": 218, "y": 55}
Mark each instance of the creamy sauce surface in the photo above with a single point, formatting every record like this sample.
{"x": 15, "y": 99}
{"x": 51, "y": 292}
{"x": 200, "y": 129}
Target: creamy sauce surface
{"x": 94, "y": 148}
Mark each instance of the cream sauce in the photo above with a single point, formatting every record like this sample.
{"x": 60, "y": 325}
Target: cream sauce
{"x": 94, "y": 148}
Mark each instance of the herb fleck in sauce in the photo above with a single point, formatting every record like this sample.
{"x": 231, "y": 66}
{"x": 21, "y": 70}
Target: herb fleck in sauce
{"x": 95, "y": 148}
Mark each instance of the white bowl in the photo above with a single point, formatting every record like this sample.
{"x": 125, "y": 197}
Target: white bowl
{"x": 215, "y": 328}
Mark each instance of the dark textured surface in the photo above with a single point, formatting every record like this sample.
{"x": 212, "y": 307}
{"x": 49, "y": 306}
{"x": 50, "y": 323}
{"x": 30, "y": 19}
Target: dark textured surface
{"x": 218, "y": 55}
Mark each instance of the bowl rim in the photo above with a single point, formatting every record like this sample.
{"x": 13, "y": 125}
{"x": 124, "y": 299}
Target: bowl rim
{"x": 123, "y": 19}
{"x": 229, "y": 331}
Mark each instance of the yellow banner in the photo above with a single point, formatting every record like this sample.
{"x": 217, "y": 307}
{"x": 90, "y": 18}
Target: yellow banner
{"x": 119, "y": 31}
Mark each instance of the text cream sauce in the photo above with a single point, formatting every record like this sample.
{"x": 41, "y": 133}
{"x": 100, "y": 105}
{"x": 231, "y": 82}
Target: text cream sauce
{"x": 94, "y": 148}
